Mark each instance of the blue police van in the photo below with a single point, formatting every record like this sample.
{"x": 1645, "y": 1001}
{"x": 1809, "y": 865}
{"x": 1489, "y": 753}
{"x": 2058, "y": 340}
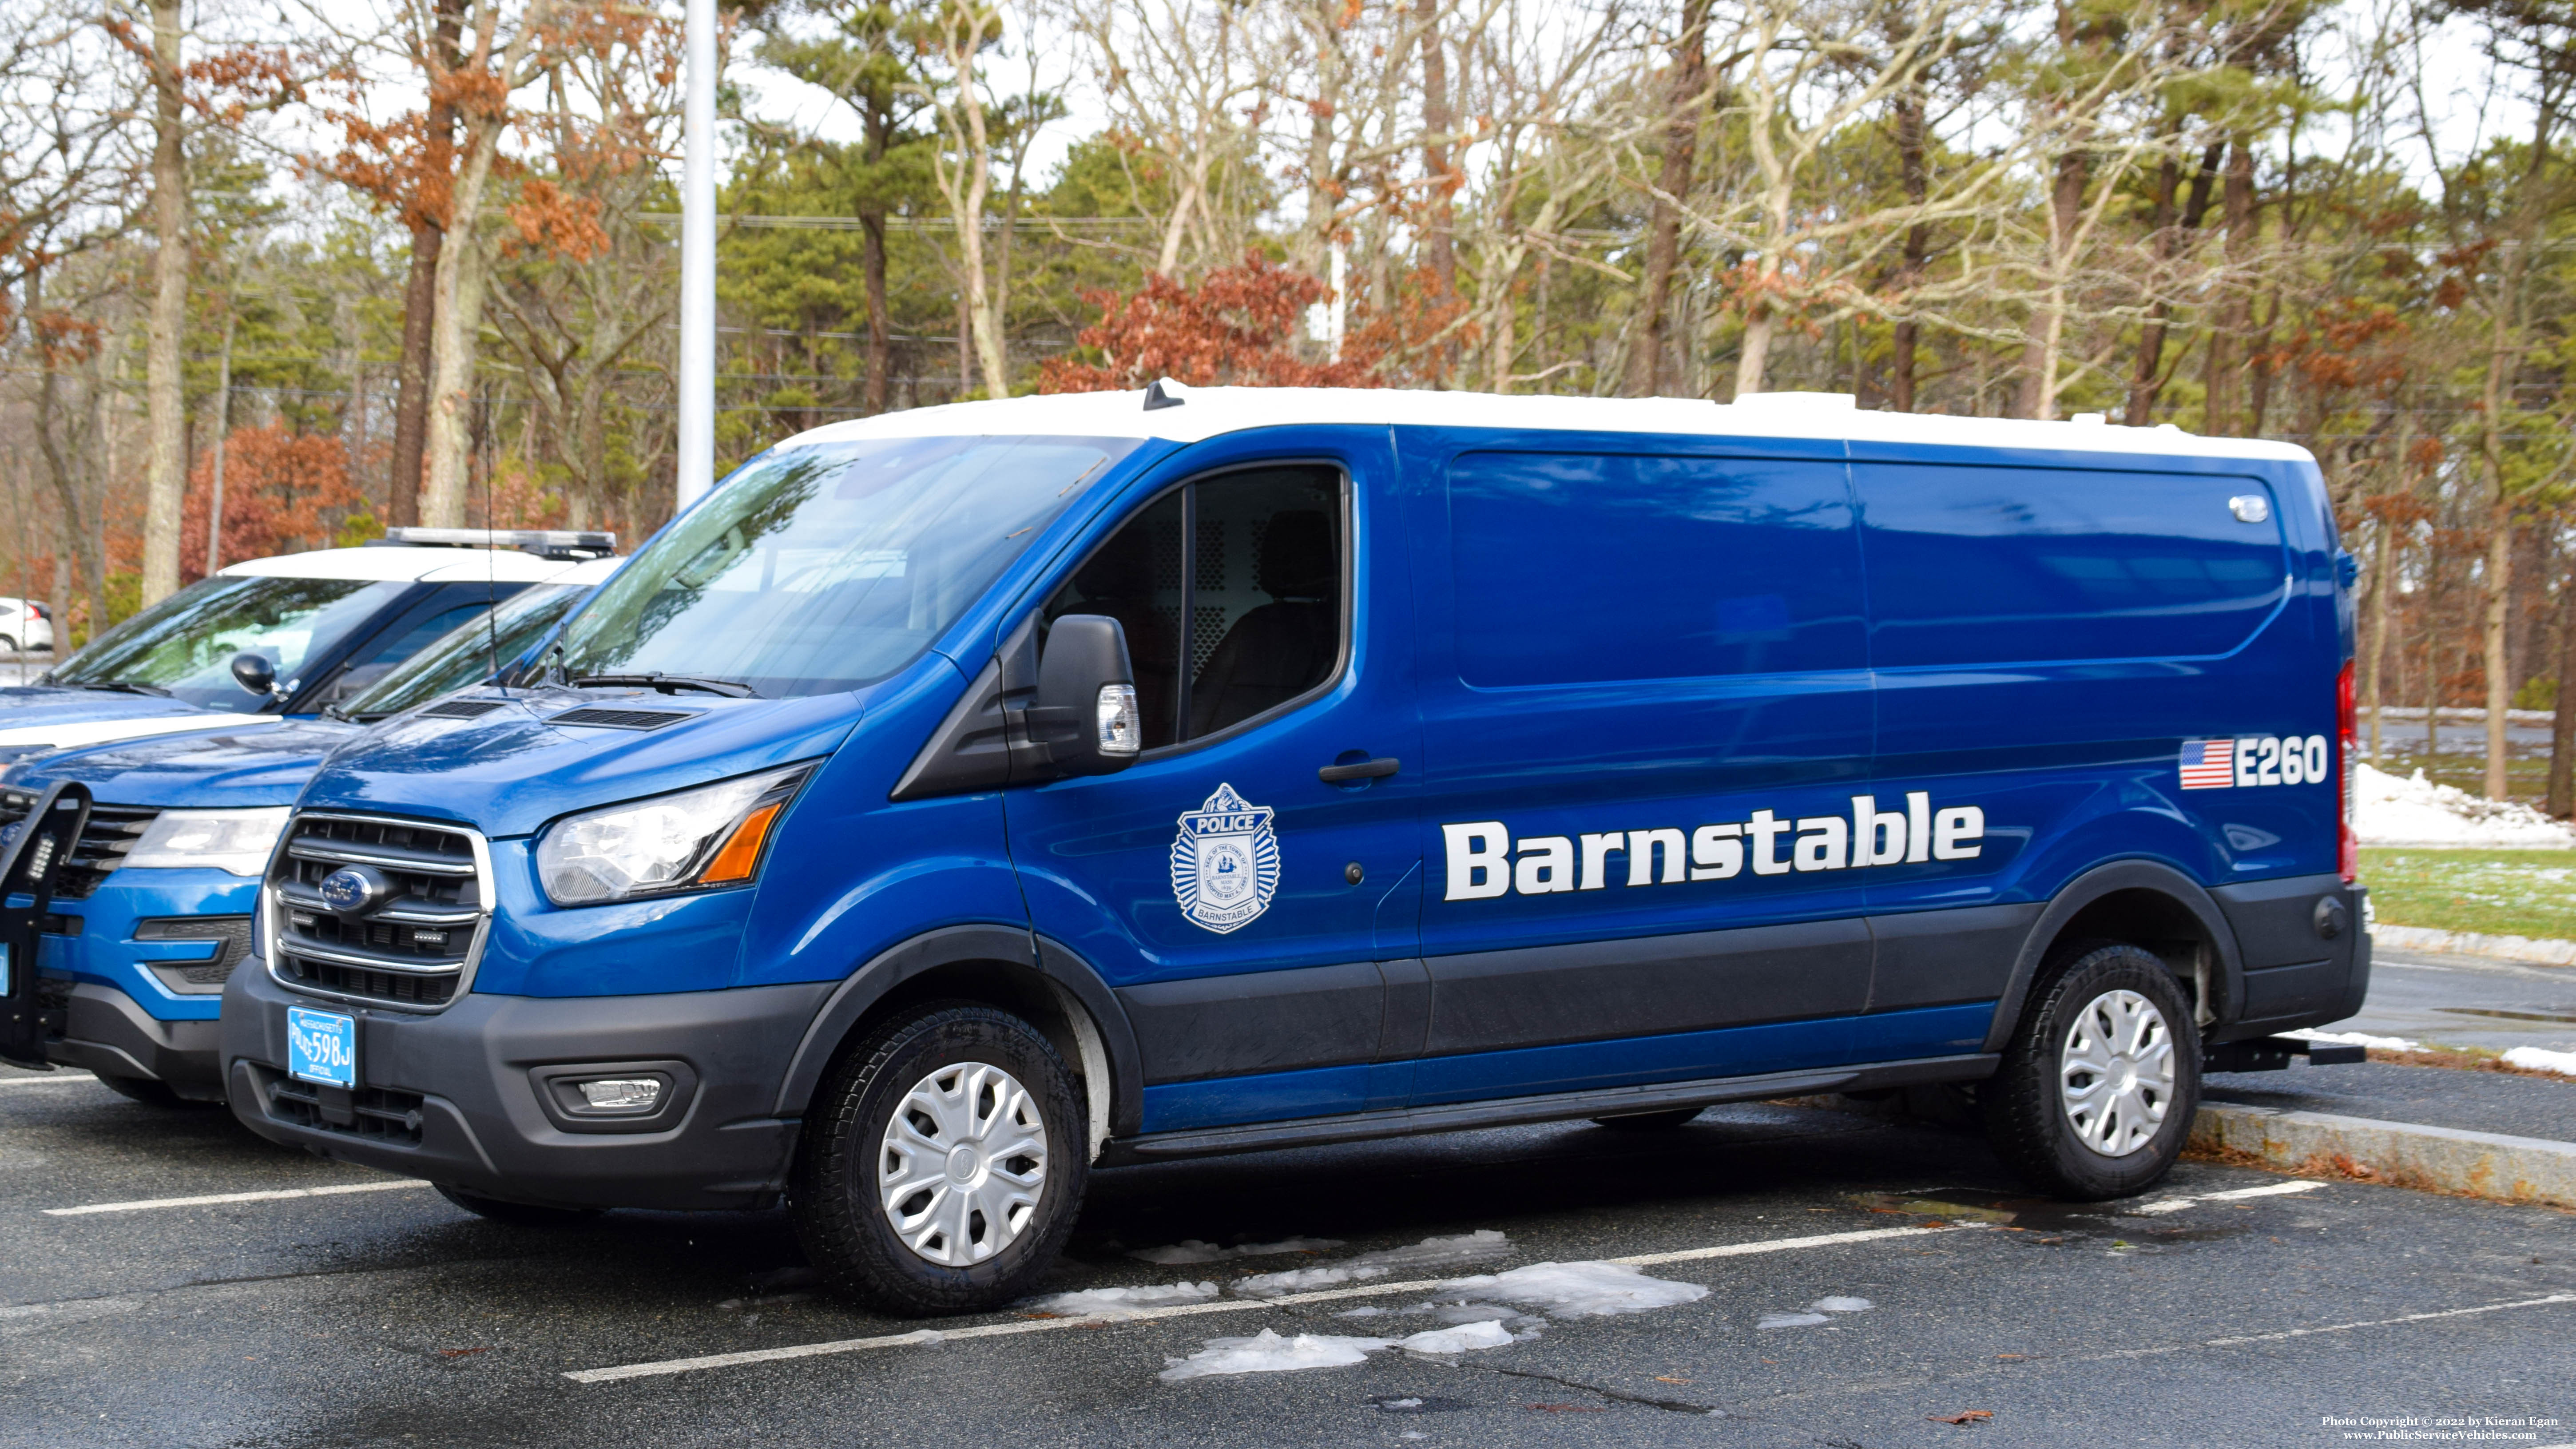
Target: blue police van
{"x": 151, "y": 909}
{"x": 958, "y": 801}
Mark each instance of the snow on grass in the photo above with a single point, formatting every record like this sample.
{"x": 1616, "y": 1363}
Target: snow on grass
{"x": 1300, "y": 1280}
{"x": 1578, "y": 1290}
{"x": 2394, "y": 810}
{"x": 1191, "y": 1250}
{"x": 1118, "y": 1302}
{"x": 2541, "y": 1059}
{"x": 2354, "y": 1038}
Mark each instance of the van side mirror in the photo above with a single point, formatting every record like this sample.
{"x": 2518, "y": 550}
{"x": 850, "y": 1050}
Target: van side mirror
{"x": 1085, "y": 714}
{"x": 254, "y": 673}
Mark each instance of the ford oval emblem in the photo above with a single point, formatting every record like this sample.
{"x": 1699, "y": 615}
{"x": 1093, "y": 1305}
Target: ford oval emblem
{"x": 352, "y": 888}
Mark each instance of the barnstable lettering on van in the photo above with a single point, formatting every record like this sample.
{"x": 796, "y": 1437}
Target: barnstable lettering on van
{"x": 1486, "y": 860}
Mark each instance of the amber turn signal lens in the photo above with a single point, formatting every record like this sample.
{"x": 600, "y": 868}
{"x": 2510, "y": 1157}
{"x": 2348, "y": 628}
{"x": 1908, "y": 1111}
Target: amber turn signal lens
{"x": 741, "y": 855}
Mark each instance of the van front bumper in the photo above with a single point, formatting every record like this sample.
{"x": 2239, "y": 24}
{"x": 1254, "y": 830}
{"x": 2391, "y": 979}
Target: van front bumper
{"x": 462, "y": 1097}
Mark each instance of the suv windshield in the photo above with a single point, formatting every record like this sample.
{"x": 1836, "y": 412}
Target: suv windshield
{"x": 184, "y": 645}
{"x": 464, "y": 655}
{"x": 826, "y": 567}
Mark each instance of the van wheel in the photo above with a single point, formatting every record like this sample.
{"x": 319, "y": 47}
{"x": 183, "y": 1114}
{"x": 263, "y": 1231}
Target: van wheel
{"x": 516, "y": 1214}
{"x": 8, "y": 645}
{"x": 2099, "y": 1083}
{"x": 943, "y": 1165}
{"x": 1651, "y": 1121}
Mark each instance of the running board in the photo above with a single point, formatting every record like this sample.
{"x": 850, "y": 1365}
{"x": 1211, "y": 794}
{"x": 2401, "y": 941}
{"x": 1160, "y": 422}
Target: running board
{"x": 1524, "y": 1111}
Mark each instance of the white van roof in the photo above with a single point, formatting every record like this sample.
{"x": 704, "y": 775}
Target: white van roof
{"x": 1207, "y": 412}
{"x": 409, "y": 565}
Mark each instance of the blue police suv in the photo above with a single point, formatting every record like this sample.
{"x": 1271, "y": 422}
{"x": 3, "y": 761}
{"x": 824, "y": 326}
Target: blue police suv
{"x": 152, "y": 910}
{"x": 960, "y": 801}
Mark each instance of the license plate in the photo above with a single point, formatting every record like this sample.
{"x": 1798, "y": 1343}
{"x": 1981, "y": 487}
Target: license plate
{"x": 321, "y": 1047}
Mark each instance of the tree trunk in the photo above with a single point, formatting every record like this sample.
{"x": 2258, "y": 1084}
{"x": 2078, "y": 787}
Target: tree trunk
{"x": 162, "y": 366}
{"x": 1664, "y": 224}
{"x": 411, "y": 379}
{"x": 1910, "y": 145}
{"x": 1755, "y": 359}
{"x": 2562, "y": 724}
{"x": 2145, "y": 377}
{"x": 1439, "y": 244}
{"x": 223, "y": 431}
{"x": 457, "y": 323}
{"x": 2218, "y": 417}
{"x": 880, "y": 320}
{"x": 2038, "y": 392}
{"x": 2499, "y": 669}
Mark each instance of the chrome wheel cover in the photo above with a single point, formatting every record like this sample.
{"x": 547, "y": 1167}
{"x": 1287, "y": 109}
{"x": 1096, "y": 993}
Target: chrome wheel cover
{"x": 2115, "y": 1075}
{"x": 963, "y": 1164}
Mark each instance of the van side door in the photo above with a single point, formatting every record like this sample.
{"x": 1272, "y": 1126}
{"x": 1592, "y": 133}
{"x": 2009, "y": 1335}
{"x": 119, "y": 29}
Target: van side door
{"x": 1240, "y": 884}
{"x": 1646, "y": 710}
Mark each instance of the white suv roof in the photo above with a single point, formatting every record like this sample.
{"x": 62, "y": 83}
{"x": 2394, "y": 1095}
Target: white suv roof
{"x": 408, "y": 565}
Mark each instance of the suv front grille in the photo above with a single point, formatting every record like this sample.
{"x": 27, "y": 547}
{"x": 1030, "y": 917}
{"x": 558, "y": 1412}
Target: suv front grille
{"x": 111, "y": 832}
{"x": 413, "y": 946}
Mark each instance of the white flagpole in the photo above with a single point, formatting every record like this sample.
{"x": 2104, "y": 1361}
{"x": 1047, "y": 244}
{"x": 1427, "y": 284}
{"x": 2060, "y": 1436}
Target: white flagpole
{"x": 697, "y": 456}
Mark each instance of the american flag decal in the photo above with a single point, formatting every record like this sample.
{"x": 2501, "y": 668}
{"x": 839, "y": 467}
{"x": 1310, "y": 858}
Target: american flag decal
{"x": 2208, "y": 764}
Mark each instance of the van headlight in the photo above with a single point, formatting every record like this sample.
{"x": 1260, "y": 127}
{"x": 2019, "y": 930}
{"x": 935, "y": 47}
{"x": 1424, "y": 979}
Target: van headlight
{"x": 710, "y": 836}
{"x": 239, "y": 841}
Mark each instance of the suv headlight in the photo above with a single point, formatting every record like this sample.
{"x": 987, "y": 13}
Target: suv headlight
{"x": 239, "y": 841}
{"x": 709, "y": 836}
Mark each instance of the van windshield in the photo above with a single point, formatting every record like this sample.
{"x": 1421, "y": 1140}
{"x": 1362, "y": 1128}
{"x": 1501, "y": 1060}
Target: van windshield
{"x": 184, "y": 645}
{"x": 464, "y": 655}
{"x": 823, "y": 568}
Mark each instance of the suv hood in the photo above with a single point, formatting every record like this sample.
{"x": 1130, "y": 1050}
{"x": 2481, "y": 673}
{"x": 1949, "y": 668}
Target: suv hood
{"x": 513, "y": 767}
{"x": 218, "y": 768}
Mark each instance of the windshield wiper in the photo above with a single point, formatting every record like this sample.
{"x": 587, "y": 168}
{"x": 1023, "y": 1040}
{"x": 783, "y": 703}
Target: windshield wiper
{"x": 128, "y": 686}
{"x": 667, "y": 684}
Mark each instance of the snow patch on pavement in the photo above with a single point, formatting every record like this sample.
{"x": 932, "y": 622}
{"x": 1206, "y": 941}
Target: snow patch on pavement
{"x": 1484, "y": 1245}
{"x": 2354, "y": 1038}
{"x": 1191, "y": 1250}
{"x": 1300, "y": 1280}
{"x": 2394, "y": 810}
{"x": 1790, "y": 1320}
{"x": 1578, "y": 1290}
{"x": 2541, "y": 1059}
{"x": 1267, "y": 1352}
{"x": 1838, "y": 1303}
{"x": 1118, "y": 1302}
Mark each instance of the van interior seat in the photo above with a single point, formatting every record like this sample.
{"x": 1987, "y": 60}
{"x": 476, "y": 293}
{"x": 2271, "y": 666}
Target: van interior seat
{"x": 1118, "y": 583}
{"x": 1284, "y": 648}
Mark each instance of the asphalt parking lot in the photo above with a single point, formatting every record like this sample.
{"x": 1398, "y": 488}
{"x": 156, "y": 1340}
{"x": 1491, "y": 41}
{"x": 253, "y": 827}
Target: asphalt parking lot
{"x": 2229, "y": 1307}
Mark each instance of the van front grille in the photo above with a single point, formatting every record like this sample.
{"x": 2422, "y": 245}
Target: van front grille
{"x": 380, "y": 1113}
{"x": 111, "y": 832}
{"x": 410, "y": 943}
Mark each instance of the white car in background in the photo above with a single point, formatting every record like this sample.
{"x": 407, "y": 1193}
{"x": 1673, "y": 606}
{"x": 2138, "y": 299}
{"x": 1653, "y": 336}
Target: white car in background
{"x": 25, "y": 624}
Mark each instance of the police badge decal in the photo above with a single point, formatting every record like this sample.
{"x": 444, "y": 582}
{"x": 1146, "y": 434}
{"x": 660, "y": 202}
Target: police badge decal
{"x": 1225, "y": 862}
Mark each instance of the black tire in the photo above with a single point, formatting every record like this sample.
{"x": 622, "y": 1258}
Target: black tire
{"x": 8, "y": 645}
{"x": 2025, "y": 1118}
{"x": 516, "y": 1214}
{"x": 143, "y": 1089}
{"x": 1651, "y": 1121}
{"x": 848, "y": 1235}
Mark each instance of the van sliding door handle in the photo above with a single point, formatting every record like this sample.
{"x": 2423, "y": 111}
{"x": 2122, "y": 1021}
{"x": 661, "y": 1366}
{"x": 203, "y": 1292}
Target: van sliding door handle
{"x": 1364, "y": 770}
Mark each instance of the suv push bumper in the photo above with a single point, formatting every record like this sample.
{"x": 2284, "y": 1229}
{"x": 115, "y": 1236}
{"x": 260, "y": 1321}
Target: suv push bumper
{"x": 462, "y": 1097}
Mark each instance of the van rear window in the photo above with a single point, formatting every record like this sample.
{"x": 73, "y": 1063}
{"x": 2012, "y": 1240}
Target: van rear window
{"x": 2023, "y": 565}
{"x": 1582, "y": 568}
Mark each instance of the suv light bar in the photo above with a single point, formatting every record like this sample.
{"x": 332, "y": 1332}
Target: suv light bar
{"x": 561, "y": 543}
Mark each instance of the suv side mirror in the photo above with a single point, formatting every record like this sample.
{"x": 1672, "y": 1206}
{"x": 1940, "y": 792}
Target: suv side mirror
{"x": 1085, "y": 712}
{"x": 254, "y": 673}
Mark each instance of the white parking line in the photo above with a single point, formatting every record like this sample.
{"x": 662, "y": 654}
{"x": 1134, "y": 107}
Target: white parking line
{"x": 49, "y": 1079}
{"x": 217, "y": 1199}
{"x": 2233, "y": 1194}
{"x": 1190, "y": 1310}
{"x": 2290, "y": 1333}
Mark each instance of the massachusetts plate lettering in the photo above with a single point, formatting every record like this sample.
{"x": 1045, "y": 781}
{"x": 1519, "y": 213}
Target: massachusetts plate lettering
{"x": 1225, "y": 862}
